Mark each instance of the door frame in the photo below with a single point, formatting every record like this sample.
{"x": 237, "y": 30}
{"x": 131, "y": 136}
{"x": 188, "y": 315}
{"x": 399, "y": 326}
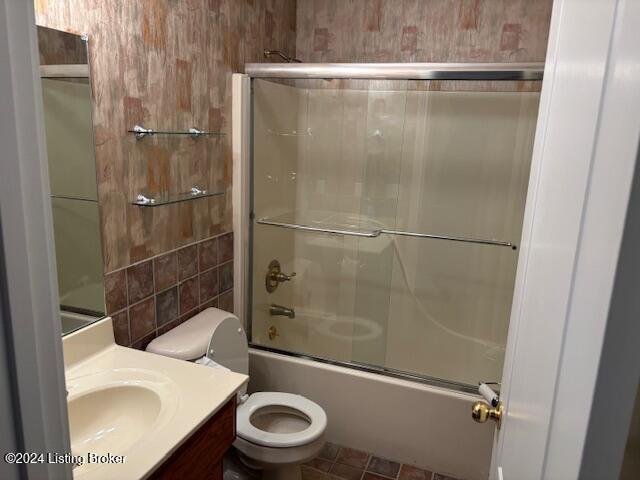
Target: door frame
{"x": 31, "y": 361}
{"x": 582, "y": 168}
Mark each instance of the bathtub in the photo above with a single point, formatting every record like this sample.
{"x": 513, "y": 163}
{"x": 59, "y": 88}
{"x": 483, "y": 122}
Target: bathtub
{"x": 409, "y": 422}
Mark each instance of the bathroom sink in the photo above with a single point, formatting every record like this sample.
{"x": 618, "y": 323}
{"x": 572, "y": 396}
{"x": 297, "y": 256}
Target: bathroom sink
{"x": 116, "y": 411}
{"x": 112, "y": 419}
{"x": 123, "y": 404}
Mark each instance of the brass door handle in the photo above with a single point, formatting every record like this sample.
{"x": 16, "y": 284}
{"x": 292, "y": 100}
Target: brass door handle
{"x": 481, "y": 412}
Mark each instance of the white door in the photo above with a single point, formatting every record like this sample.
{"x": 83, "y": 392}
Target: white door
{"x": 583, "y": 163}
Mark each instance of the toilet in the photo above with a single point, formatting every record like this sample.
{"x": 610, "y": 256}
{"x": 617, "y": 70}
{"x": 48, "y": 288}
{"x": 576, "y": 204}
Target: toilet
{"x": 275, "y": 430}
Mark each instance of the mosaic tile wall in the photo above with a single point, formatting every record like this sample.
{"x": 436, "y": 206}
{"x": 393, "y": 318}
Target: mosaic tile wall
{"x": 151, "y": 297}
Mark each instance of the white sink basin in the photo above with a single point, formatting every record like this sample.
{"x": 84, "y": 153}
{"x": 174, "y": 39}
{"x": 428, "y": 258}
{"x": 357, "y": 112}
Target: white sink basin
{"x": 115, "y": 416}
{"x": 113, "y": 412}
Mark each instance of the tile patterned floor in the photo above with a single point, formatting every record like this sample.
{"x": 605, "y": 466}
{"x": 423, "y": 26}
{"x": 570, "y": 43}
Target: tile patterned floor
{"x": 338, "y": 463}
{"x": 343, "y": 463}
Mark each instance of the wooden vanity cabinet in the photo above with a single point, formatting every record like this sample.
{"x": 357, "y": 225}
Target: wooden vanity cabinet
{"x": 200, "y": 456}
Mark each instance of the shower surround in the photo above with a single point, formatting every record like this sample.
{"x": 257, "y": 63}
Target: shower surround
{"x": 440, "y": 157}
{"x": 146, "y": 69}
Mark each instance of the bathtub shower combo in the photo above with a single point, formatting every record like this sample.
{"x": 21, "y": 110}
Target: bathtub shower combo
{"x": 384, "y": 214}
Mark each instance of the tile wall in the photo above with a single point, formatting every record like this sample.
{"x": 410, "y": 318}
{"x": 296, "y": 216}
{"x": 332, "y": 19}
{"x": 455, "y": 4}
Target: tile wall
{"x": 151, "y": 297}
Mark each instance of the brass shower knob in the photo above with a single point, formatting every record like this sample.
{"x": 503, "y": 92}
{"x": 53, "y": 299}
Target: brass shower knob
{"x": 275, "y": 276}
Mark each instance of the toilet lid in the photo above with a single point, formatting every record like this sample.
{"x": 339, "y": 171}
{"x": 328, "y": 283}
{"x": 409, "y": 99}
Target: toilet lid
{"x": 256, "y": 401}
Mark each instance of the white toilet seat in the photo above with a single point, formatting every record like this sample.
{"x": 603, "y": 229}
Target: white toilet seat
{"x": 245, "y": 430}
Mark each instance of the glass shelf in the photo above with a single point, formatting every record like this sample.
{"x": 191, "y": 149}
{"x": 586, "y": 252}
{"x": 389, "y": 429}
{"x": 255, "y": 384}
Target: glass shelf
{"x": 140, "y": 132}
{"x": 195, "y": 193}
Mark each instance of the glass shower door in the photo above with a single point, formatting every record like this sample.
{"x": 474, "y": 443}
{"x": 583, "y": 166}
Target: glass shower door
{"x": 350, "y": 177}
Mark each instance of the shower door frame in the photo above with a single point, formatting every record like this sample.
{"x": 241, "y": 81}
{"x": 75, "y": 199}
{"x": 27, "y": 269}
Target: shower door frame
{"x": 243, "y": 169}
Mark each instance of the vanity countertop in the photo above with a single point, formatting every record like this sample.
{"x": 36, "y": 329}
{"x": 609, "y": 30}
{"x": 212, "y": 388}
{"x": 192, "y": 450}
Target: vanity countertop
{"x": 127, "y": 402}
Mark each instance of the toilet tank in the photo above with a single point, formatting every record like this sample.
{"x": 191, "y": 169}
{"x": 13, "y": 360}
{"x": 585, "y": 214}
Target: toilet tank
{"x": 212, "y": 332}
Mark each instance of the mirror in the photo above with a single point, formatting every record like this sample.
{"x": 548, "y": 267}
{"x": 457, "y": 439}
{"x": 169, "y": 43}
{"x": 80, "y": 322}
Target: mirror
{"x": 66, "y": 94}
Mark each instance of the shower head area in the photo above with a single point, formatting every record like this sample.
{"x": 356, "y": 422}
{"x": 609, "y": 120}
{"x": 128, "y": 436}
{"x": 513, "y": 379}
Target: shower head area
{"x": 267, "y": 53}
{"x": 396, "y": 194}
